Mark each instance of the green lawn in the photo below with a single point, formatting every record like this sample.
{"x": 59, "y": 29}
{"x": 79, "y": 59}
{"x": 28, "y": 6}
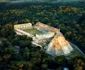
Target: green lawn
{"x": 33, "y": 31}
{"x": 75, "y": 52}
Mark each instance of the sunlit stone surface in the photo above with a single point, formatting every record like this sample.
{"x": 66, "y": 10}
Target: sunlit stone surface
{"x": 40, "y": 33}
{"x": 59, "y": 45}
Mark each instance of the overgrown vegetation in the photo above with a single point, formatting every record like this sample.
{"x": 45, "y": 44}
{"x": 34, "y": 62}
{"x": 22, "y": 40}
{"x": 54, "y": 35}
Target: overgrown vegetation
{"x": 17, "y": 52}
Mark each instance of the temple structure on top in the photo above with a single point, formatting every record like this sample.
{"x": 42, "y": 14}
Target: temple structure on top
{"x": 45, "y": 36}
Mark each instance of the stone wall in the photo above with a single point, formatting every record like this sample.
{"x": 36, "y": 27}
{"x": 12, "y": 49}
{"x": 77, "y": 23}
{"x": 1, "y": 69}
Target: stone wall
{"x": 47, "y": 27}
{"x": 44, "y": 36}
{"x": 26, "y": 25}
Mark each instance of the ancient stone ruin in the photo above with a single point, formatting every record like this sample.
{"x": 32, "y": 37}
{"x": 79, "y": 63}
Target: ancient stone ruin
{"x": 41, "y": 33}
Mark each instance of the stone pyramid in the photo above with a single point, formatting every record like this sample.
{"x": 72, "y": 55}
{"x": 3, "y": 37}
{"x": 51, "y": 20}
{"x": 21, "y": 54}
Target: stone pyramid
{"x": 59, "y": 45}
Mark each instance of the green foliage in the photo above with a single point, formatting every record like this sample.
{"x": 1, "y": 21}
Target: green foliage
{"x": 17, "y": 52}
{"x": 61, "y": 60}
{"x": 70, "y": 19}
{"x": 78, "y": 64}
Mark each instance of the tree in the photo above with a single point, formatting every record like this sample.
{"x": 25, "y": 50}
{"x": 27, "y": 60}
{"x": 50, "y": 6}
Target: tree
{"x": 26, "y": 53}
{"x": 78, "y": 64}
{"x": 44, "y": 66}
{"x": 61, "y": 60}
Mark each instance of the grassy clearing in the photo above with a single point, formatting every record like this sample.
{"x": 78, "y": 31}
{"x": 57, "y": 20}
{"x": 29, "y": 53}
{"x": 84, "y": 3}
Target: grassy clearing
{"x": 33, "y": 31}
{"x": 75, "y": 52}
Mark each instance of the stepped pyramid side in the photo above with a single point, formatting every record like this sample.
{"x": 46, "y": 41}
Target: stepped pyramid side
{"x": 59, "y": 45}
